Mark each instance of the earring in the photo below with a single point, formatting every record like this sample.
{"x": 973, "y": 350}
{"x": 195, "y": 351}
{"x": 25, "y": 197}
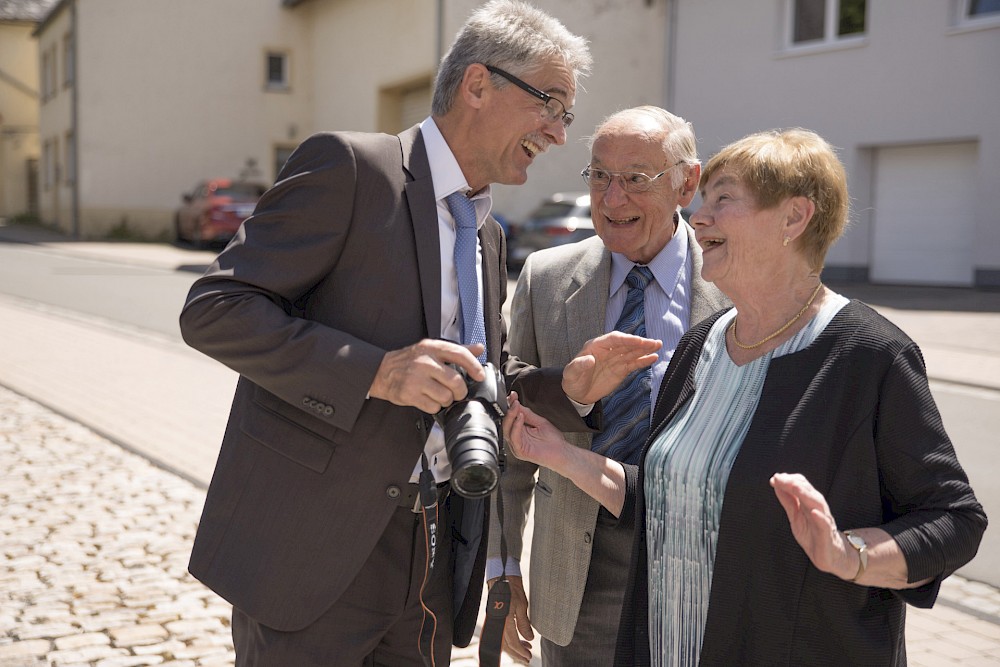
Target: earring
{"x": 787, "y": 239}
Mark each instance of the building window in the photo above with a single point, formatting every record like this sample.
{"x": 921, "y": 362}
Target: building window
{"x": 981, "y": 8}
{"x": 53, "y": 63}
{"x": 70, "y": 159}
{"x": 32, "y": 164}
{"x": 825, "y": 21}
{"x": 404, "y": 104}
{"x": 56, "y": 170}
{"x": 975, "y": 14}
{"x": 46, "y": 82}
{"x": 281, "y": 155}
{"x": 276, "y": 74}
{"x": 68, "y": 62}
{"x": 50, "y": 170}
{"x": 47, "y": 168}
{"x": 977, "y": 9}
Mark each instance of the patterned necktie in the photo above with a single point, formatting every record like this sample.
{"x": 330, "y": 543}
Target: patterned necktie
{"x": 473, "y": 327}
{"x": 626, "y": 410}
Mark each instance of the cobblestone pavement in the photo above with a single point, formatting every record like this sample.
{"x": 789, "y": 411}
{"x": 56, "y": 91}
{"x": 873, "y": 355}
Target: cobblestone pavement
{"x": 94, "y": 543}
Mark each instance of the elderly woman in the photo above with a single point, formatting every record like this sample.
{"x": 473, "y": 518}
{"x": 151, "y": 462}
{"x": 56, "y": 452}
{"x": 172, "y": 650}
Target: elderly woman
{"x": 798, "y": 486}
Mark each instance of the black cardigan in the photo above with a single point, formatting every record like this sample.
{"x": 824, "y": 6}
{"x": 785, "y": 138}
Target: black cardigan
{"x": 853, "y": 413}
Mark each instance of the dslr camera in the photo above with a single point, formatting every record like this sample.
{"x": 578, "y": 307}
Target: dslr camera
{"x": 471, "y": 433}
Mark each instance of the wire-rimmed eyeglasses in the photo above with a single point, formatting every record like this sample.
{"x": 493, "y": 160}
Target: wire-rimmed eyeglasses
{"x": 630, "y": 181}
{"x": 552, "y": 109}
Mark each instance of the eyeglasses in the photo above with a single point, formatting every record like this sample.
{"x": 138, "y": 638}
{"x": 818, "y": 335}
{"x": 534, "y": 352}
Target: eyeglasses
{"x": 631, "y": 181}
{"x": 553, "y": 108}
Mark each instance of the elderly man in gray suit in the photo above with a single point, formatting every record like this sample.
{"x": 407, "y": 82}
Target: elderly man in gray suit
{"x": 641, "y": 274}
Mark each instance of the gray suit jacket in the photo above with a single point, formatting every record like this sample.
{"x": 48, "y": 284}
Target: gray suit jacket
{"x": 339, "y": 264}
{"x": 559, "y": 304}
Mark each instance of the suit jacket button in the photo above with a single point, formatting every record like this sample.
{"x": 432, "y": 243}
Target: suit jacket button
{"x": 586, "y": 538}
{"x": 393, "y": 492}
{"x": 328, "y": 410}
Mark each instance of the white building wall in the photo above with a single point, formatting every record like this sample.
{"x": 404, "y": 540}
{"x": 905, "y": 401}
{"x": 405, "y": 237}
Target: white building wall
{"x": 916, "y": 78}
{"x": 361, "y": 46}
{"x": 166, "y": 96}
{"x": 627, "y": 39}
{"x": 174, "y": 91}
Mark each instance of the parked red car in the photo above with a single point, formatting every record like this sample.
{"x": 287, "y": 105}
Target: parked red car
{"x": 214, "y": 210}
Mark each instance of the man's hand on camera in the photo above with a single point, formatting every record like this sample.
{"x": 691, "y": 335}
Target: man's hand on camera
{"x": 604, "y": 362}
{"x": 420, "y": 375}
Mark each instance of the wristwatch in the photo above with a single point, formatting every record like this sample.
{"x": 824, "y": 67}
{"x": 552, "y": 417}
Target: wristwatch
{"x": 861, "y": 547}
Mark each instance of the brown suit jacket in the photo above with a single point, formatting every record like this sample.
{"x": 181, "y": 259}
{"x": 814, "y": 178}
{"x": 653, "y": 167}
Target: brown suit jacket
{"x": 339, "y": 264}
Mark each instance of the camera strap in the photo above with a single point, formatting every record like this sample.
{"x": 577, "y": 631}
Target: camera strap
{"x": 429, "y": 510}
{"x": 498, "y": 599}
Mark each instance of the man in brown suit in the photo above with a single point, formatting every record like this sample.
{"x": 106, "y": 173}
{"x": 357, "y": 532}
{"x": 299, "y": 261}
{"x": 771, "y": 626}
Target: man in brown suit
{"x": 337, "y": 303}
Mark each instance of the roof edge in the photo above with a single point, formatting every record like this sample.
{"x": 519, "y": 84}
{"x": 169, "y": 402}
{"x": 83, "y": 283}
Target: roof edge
{"x": 48, "y": 18}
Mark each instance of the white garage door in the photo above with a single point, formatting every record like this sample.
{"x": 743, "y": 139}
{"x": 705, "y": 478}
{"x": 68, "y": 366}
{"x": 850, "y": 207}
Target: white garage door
{"x": 923, "y": 228}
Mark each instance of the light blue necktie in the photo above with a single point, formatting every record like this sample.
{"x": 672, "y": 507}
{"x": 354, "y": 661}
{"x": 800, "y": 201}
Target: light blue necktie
{"x": 473, "y": 327}
{"x": 626, "y": 410}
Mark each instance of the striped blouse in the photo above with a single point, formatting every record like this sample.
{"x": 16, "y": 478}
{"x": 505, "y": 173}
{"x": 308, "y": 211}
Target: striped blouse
{"x": 686, "y": 469}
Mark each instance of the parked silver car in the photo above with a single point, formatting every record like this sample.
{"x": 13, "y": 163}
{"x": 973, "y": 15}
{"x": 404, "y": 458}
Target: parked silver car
{"x": 562, "y": 218}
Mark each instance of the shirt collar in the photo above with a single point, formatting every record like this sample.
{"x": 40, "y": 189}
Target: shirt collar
{"x": 445, "y": 171}
{"x": 668, "y": 266}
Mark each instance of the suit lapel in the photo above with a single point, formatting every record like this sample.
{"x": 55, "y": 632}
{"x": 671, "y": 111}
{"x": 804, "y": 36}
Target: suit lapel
{"x": 489, "y": 241}
{"x": 423, "y": 211}
{"x": 587, "y": 302}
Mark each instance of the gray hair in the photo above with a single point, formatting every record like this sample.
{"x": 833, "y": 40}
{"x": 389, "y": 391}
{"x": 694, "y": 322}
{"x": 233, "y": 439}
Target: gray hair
{"x": 513, "y": 36}
{"x": 674, "y": 133}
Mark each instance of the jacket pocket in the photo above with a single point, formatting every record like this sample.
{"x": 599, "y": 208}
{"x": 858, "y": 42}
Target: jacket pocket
{"x": 541, "y": 488}
{"x": 288, "y": 431}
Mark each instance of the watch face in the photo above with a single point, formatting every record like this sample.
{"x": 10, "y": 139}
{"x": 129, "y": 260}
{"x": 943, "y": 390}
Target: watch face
{"x": 856, "y": 541}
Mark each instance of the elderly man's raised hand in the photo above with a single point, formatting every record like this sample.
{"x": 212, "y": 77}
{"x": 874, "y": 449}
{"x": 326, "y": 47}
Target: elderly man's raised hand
{"x": 604, "y": 362}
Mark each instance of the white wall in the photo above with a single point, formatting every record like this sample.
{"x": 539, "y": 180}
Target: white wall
{"x": 916, "y": 79}
{"x": 363, "y": 45}
{"x": 173, "y": 91}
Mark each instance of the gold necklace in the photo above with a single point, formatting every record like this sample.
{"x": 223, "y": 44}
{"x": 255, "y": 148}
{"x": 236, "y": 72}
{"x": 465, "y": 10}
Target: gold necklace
{"x": 783, "y": 329}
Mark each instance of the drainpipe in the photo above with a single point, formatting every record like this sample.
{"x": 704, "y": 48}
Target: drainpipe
{"x": 439, "y": 37}
{"x": 670, "y": 71}
{"x": 74, "y": 122}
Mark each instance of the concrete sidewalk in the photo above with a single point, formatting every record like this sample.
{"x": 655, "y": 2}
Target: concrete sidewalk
{"x": 156, "y": 397}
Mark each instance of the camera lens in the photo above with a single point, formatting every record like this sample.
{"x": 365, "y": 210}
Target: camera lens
{"x": 470, "y": 437}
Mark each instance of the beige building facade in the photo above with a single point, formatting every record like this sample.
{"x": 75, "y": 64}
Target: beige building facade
{"x": 19, "y": 104}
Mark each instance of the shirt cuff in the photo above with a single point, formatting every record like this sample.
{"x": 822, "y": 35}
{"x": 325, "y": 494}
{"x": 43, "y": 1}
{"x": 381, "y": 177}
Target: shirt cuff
{"x": 583, "y": 409}
{"x": 494, "y": 567}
